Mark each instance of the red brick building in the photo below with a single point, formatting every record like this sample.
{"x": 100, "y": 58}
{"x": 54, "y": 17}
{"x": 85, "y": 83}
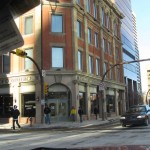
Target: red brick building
{"x": 73, "y": 42}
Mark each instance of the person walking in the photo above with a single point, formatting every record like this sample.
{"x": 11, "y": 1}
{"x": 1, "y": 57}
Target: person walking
{"x": 31, "y": 114}
{"x": 47, "y": 114}
{"x": 80, "y": 112}
{"x": 73, "y": 113}
{"x": 15, "y": 114}
{"x": 95, "y": 111}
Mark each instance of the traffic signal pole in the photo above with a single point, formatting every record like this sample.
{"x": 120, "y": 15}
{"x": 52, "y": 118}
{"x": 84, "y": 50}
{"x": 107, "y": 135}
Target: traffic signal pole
{"x": 102, "y": 99}
{"x": 40, "y": 73}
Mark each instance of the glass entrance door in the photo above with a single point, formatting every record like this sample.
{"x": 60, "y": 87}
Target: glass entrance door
{"x": 59, "y": 109}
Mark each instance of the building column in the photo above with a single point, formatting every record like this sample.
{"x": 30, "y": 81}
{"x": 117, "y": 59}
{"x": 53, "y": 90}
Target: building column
{"x": 75, "y": 97}
{"x": 116, "y": 102}
{"x": 88, "y": 103}
{"x": 123, "y": 102}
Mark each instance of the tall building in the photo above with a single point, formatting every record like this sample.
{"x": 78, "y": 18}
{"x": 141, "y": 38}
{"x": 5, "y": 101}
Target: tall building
{"x": 130, "y": 53}
{"x": 73, "y": 42}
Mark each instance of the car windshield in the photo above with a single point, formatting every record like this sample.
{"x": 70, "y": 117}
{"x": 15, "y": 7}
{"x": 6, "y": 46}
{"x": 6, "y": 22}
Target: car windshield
{"x": 137, "y": 109}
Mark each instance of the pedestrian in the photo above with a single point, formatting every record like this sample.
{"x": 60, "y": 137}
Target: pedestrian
{"x": 31, "y": 114}
{"x": 80, "y": 112}
{"x": 96, "y": 111}
{"x": 15, "y": 114}
{"x": 73, "y": 113}
{"x": 47, "y": 114}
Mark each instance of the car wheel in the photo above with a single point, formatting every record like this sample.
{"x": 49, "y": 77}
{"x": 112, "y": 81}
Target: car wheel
{"x": 123, "y": 125}
{"x": 146, "y": 122}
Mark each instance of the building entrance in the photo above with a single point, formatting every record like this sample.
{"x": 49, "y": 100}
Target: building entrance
{"x": 59, "y": 109}
{"x": 58, "y": 99}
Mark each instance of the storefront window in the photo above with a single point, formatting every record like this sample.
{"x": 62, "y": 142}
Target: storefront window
{"x": 94, "y": 102}
{"x": 82, "y": 102}
{"x": 110, "y": 104}
{"x": 6, "y": 104}
{"x": 28, "y": 103}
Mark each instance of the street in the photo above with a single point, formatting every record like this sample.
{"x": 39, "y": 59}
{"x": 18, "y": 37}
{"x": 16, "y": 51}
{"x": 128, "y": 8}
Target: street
{"x": 71, "y": 138}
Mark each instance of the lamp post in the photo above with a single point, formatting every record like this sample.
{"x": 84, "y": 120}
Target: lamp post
{"x": 23, "y": 54}
{"x": 102, "y": 96}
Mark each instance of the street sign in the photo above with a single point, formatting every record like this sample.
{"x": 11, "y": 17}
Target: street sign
{"x": 10, "y": 37}
{"x": 101, "y": 86}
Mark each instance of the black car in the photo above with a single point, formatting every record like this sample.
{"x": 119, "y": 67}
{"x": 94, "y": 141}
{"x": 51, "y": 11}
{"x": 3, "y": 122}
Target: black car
{"x": 138, "y": 114}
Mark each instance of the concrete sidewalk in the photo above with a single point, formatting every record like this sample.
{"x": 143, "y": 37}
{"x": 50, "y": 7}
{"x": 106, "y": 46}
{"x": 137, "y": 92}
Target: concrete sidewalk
{"x": 67, "y": 124}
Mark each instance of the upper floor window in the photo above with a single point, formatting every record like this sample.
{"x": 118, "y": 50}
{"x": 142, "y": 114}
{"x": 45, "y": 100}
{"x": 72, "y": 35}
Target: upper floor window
{"x": 97, "y": 66}
{"x": 111, "y": 72}
{"x": 88, "y": 6}
{"x": 89, "y": 35}
{"x": 28, "y": 28}
{"x": 79, "y": 60}
{"x": 28, "y": 62}
{"x": 57, "y": 57}
{"x": 106, "y": 68}
{"x": 117, "y": 53}
{"x": 107, "y": 22}
{"x": 96, "y": 39}
{"x": 109, "y": 48}
{"x": 6, "y": 63}
{"x": 103, "y": 16}
{"x": 118, "y": 74}
{"x": 79, "y": 29}
{"x": 90, "y": 64}
{"x": 104, "y": 45}
{"x": 78, "y": 1}
{"x": 57, "y": 23}
{"x": 95, "y": 10}
{"x": 115, "y": 29}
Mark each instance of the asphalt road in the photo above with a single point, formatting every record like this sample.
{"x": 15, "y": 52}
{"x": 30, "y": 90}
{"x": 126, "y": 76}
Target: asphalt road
{"x": 93, "y": 136}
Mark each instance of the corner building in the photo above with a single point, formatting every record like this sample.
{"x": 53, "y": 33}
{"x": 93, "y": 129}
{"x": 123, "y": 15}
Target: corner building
{"x": 74, "y": 42}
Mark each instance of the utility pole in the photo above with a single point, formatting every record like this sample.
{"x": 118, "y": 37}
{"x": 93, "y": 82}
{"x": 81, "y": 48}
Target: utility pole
{"x": 102, "y": 99}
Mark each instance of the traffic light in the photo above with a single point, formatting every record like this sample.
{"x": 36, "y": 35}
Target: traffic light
{"x": 21, "y": 53}
{"x": 46, "y": 88}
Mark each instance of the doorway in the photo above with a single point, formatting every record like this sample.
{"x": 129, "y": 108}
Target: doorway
{"x": 59, "y": 109}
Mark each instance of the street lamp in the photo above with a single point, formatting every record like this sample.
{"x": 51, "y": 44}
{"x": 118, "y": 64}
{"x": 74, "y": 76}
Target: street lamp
{"x": 101, "y": 96}
{"x": 21, "y": 53}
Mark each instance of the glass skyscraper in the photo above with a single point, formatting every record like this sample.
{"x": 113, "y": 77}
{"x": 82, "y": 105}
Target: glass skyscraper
{"x": 130, "y": 53}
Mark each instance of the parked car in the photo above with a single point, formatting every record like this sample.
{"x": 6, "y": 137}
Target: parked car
{"x": 138, "y": 114}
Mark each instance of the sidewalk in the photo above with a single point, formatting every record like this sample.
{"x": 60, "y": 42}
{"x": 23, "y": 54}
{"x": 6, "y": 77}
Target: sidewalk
{"x": 67, "y": 124}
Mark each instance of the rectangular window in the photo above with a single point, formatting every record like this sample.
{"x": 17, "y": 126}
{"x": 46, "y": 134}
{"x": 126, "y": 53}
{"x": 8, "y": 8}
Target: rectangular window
{"x": 79, "y": 60}
{"x": 96, "y": 39}
{"x": 118, "y": 74}
{"x": 103, "y": 16}
{"x": 104, "y": 45}
{"x": 90, "y": 64}
{"x": 79, "y": 29}
{"x": 28, "y": 62}
{"x": 78, "y": 1}
{"x": 95, "y": 10}
{"x": 6, "y": 63}
{"x": 106, "y": 68}
{"x": 28, "y": 29}
{"x": 111, "y": 72}
{"x": 89, "y": 35}
{"x": 109, "y": 48}
{"x": 88, "y": 6}
{"x": 57, "y": 57}
{"x": 117, "y": 53}
{"x": 57, "y": 23}
{"x": 97, "y": 66}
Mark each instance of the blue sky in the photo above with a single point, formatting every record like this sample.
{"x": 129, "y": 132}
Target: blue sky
{"x": 141, "y": 8}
